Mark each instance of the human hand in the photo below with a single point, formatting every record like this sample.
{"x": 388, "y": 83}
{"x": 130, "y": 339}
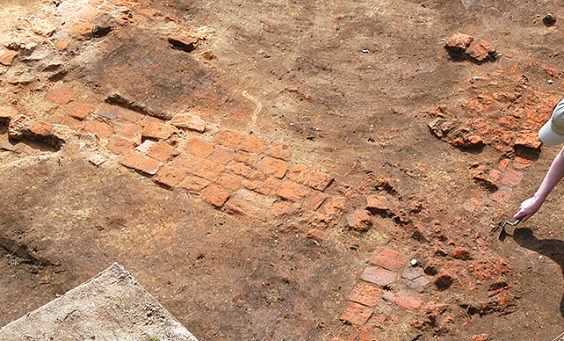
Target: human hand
{"x": 528, "y": 208}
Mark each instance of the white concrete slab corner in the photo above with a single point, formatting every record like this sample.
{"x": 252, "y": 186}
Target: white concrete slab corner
{"x": 111, "y": 306}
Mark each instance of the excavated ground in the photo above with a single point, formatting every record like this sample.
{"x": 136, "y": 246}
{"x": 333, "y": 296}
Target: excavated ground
{"x": 298, "y": 170}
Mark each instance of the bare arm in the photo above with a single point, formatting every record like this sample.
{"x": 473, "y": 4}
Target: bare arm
{"x": 553, "y": 176}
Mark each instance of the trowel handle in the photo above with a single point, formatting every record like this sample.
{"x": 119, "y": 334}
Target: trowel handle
{"x": 517, "y": 221}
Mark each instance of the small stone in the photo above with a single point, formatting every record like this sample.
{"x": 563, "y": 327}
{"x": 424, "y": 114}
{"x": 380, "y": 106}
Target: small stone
{"x": 549, "y": 20}
{"x": 145, "y": 146}
{"x": 413, "y": 262}
{"x": 7, "y": 57}
{"x": 97, "y": 159}
{"x": 189, "y": 121}
{"x": 183, "y": 43}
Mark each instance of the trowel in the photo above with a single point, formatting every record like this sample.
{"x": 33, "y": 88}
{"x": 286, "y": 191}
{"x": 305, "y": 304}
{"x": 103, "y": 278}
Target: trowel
{"x": 503, "y": 235}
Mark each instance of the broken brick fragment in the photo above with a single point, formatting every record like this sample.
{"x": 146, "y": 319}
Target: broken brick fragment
{"x": 388, "y": 259}
{"x": 145, "y": 164}
{"x": 278, "y": 151}
{"x": 356, "y": 314}
{"x": 359, "y": 220}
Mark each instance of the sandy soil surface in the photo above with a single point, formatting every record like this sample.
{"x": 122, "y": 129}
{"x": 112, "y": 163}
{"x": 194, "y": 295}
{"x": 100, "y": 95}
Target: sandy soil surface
{"x": 300, "y": 170}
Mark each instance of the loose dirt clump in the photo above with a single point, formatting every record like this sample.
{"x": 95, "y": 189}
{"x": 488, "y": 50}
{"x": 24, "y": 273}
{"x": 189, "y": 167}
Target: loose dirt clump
{"x": 285, "y": 170}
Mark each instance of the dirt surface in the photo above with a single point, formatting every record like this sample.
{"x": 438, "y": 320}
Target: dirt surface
{"x": 296, "y": 170}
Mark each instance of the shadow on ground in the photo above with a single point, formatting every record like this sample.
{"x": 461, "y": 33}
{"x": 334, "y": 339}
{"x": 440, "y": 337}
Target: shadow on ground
{"x": 551, "y": 248}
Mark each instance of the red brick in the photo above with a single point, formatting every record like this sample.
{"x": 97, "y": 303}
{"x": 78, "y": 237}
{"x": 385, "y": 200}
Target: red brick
{"x": 252, "y": 144}
{"x": 40, "y": 130}
{"x": 356, "y": 314}
{"x": 250, "y": 159}
{"x": 275, "y": 167}
{"x": 459, "y": 41}
{"x": 221, "y": 155}
{"x": 359, "y": 220}
{"x": 378, "y": 276}
{"x": 156, "y": 130}
{"x": 511, "y": 177}
{"x": 334, "y": 206}
{"x": 99, "y": 128}
{"x": 408, "y": 301}
{"x": 119, "y": 145}
{"x": 110, "y": 111}
{"x": 315, "y": 202}
{"x": 365, "y": 294}
{"x": 246, "y": 172}
{"x": 278, "y": 151}
{"x": 215, "y": 195}
{"x": 140, "y": 162}
{"x": 171, "y": 175}
{"x": 79, "y": 110}
{"x": 130, "y": 115}
{"x": 81, "y": 29}
{"x": 305, "y": 176}
{"x": 317, "y": 234}
{"x": 251, "y": 185}
{"x": 229, "y": 182}
{"x": 300, "y": 174}
{"x": 420, "y": 283}
{"x": 292, "y": 191}
{"x": 228, "y": 138}
{"x": 61, "y": 95}
{"x": 522, "y": 163}
{"x": 193, "y": 184}
{"x": 199, "y": 148}
{"x": 203, "y": 168}
{"x": 129, "y": 130}
{"x": 378, "y": 203}
{"x": 268, "y": 187}
{"x": 480, "y": 50}
{"x": 388, "y": 259}
{"x": 161, "y": 151}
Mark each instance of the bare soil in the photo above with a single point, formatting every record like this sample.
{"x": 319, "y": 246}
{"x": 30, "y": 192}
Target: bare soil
{"x": 353, "y": 89}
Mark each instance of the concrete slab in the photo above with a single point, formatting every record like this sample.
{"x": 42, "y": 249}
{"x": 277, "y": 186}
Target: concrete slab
{"x": 111, "y": 306}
